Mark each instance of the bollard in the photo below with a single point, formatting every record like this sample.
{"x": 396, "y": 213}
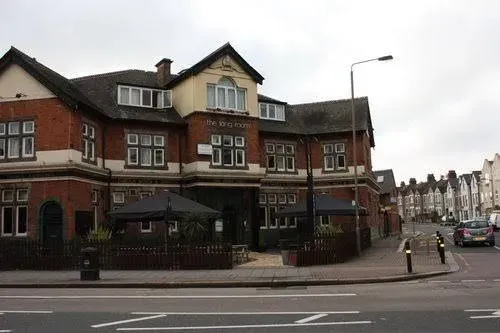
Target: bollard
{"x": 441, "y": 245}
{"x": 408, "y": 256}
{"x": 437, "y": 241}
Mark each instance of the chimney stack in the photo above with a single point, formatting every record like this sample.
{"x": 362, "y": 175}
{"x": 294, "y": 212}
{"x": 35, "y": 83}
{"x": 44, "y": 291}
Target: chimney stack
{"x": 452, "y": 174}
{"x": 430, "y": 178}
{"x": 402, "y": 184}
{"x": 413, "y": 181}
{"x": 163, "y": 71}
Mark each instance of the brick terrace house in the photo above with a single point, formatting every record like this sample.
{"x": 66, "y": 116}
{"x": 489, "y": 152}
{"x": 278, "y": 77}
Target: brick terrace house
{"x": 71, "y": 150}
{"x": 388, "y": 195}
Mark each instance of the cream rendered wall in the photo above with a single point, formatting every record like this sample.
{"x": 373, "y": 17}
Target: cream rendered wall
{"x": 15, "y": 79}
{"x": 191, "y": 94}
{"x": 183, "y": 96}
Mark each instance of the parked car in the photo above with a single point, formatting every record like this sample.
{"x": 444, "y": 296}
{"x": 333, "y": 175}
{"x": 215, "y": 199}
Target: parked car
{"x": 473, "y": 232}
{"x": 494, "y": 220}
{"x": 446, "y": 221}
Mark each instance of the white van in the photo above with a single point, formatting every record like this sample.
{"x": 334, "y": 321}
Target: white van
{"x": 495, "y": 219}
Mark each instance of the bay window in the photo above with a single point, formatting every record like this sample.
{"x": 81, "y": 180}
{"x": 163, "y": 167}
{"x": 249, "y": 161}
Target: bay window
{"x": 226, "y": 95}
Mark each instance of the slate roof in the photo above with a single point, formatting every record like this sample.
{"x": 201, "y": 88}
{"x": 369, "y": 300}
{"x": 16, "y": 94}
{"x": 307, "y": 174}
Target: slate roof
{"x": 423, "y": 188}
{"x": 267, "y": 99}
{"x": 442, "y": 184}
{"x": 467, "y": 177}
{"x": 453, "y": 182}
{"x": 388, "y": 184}
{"x": 225, "y": 49}
{"x": 323, "y": 118}
{"x": 477, "y": 175}
{"x": 102, "y": 90}
{"x": 55, "y": 82}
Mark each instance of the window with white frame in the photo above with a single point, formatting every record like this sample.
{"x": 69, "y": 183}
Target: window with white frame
{"x": 280, "y": 157}
{"x": 17, "y": 140}
{"x": 118, "y": 197}
{"x": 145, "y": 150}
{"x": 144, "y": 97}
{"x": 272, "y": 111}
{"x": 228, "y": 150}
{"x": 173, "y": 226}
{"x": 14, "y": 210}
{"x": 270, "y": 204}
{"x": 88, "y": 142}
{"x": 145, "y": 194}
{"x": 226, "y": 95}
{"x": 146, "y": 226}
{"x": 334, "y": 156}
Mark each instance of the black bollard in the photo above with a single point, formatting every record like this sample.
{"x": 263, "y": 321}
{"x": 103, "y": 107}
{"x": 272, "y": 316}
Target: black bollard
{"x": 441, "y": 246}
{"x": 408, "y": 256}
{"x": 437, "y": 241}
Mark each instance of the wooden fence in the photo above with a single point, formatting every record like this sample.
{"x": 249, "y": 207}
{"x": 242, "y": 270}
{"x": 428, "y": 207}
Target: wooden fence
{"x": 330, "y": 249}
{"x": 140, "y": 255}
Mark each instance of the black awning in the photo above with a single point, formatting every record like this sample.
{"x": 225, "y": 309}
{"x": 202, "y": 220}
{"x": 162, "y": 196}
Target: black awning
{"x": 154, "y": 207}
{"x": 325, "y": 205}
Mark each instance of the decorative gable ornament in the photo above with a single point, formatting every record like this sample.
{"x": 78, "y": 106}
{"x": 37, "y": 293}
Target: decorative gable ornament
{"x": 227, "y": 63}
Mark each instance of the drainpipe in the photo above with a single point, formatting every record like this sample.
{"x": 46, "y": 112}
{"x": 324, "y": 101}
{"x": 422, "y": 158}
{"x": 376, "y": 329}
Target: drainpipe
{"x": 107, "y": 201}
{"x": 179, "y": 147}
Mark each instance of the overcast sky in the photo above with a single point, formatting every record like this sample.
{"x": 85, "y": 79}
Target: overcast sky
{"x": 435, "y": 107}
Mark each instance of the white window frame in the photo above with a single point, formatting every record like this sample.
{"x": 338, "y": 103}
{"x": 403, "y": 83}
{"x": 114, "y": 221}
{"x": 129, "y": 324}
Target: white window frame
{"x": 216, "y": 140}
{"x": 3, "y": 195}
{"x": 292, "y": 201}
{"x": 145, "y": 194}
{"x": 19, "y": 199}
{"x": 294, "y": 224}
{"x": 160, "y": 139}
{"x": 276, "y": 220}
{"x": 325, "y": 158}
{"x": 116, "y": 195}
{"x": 162, "y": 163}
{"x": 24, "y": 145}
{"x": 17, "y": 221}
{"x": 266, "y": 218}
{"x": 3, "y": 221}
{"x": 280, "y": 197}
{"x": 274, "y": 201}
{"x": 173, "y": 226}
{"x": 237, "y": 91}
{"x": 160, "y": 102}
{"x": 279, "y": 111}
{"x": 262, "y": 198}
{"x": 146, "y": 230}
{"x": 242, "y": 163}
{"x": 131, "y": 142}
{"x": 9, "y": 153}
{"x": 217, "y": 151}
{"x": 3, "y": 129}
{"x": 129, "y": 162}
{"x": 32, "y": 127}
{"x": 241, "y": 142}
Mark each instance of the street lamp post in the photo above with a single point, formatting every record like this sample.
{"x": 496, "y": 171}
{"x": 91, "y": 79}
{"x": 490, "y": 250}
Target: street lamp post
{"x": 355, "y": 159}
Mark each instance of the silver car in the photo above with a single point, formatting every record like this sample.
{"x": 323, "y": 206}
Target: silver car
{"x": 474, "y": 232}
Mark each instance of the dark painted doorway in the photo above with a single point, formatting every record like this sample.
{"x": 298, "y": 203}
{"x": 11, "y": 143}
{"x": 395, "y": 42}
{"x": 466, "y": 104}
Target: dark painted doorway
{"x": 52, "y": 222}
{"x": 83, "y": 223}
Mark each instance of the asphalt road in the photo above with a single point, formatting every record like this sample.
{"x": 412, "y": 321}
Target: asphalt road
{"x": 480, "y": 263}
{"x": 421, "y": 306}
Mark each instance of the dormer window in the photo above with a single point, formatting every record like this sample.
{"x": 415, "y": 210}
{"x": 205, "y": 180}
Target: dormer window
{"x": 272, "y": 111}
{"x": 144, "y": 97}
{"x": 226, "y": 95}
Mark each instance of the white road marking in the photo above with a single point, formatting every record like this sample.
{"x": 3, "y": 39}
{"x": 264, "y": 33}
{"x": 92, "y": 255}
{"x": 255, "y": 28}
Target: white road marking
{"x": 495, "y": 313}
{"x": 24, "y": 311}
{"x": 241, "y": 326}
{"x": 311, "y": 318}
{"x": 496, "y": 247}
{"x": 473, "y": 280}
{"x": 243, "y": 313}
{"x": 5, "y": 331}
{"x": 497, "y": 280}
{"x": 126, "y": 321}
{"x": 172, "y": 296}
{"x": 482, "y": 310}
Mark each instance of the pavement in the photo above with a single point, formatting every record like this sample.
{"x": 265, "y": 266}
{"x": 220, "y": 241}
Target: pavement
{"x": 381, "y": 263}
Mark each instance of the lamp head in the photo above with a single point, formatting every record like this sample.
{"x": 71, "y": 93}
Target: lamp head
{"x": 385, "y": 58}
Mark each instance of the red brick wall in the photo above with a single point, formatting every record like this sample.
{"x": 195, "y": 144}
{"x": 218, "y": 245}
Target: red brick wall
{"x": 52, "y": 121}
{"x": 202, "y": 125}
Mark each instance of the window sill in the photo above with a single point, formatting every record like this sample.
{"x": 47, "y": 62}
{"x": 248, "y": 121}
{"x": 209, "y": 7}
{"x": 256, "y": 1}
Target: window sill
{"x": 89, "y": 161}
{"x": 275, "y": 172}
{"x": 229, "y": 167}
{"x": 228, "y": 111}
{"x": 18, "y": 159}
{"x": 140, "y": 167}
{"x": 334, "y": 171}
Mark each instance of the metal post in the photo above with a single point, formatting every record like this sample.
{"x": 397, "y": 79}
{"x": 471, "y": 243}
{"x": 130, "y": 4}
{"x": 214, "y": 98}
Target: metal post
{"x": 441, "y": 246}
{"x": 437, "y": 241}
{"x": 166, "y": 219}
{"x": 355, "y": 162}
{"x": 408, "y": 257}
{"x": 310, "y": 190}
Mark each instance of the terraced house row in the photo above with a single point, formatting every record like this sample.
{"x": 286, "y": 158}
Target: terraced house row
{"x": 73, "y": 149}
{"x": 463, "y": 197}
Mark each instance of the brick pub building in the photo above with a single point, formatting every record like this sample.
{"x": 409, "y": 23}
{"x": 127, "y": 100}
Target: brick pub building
{"x": 73, "y": 149}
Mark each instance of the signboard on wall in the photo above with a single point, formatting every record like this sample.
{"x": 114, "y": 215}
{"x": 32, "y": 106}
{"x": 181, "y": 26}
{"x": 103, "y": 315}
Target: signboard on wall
{"x": 204, "y": 149}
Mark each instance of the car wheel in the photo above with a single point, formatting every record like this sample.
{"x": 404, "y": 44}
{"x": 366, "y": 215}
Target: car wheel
{"x": 492, "y": 244}
{"x": 455, "y": 241}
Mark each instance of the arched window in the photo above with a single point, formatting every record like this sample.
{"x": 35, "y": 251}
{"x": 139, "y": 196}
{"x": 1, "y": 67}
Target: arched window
{"x": 226, "y": 95}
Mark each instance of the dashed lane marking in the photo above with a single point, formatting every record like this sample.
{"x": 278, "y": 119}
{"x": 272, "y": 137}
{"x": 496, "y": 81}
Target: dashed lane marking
{"x": 126, "y": 321}
{"x": 311, "y": 318}
{"x": 25, "y": 311}
{"x": 272, "y": 313}
{"x": 478, "y": 280}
